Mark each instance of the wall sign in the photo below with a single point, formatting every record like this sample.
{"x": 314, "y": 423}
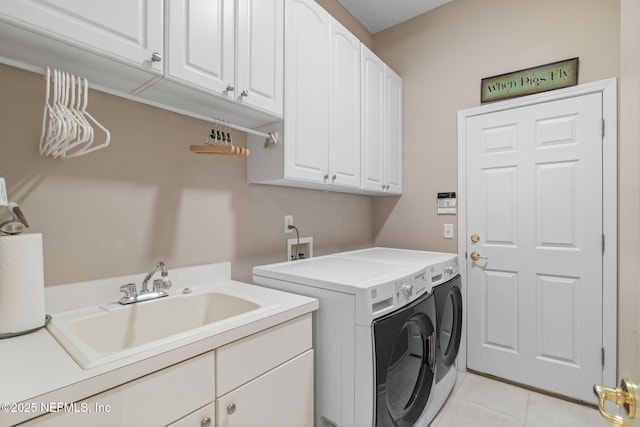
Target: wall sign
{"x": 532, "y": 80}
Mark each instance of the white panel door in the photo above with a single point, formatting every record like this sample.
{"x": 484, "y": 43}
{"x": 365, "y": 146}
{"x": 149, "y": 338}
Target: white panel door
{"x": 307, "y": 91}
{"x": 373, "y": 122}
{"x": 128, "y": 30}
{"x": 534, "y": 185}
{"x": 201, "y": 39}
{"x": 260, "y": 54}
{"x": 344, "y": 111}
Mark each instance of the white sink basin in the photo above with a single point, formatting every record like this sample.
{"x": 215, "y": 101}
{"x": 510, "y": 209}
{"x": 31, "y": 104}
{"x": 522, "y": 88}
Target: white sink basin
{"x": 97, "y": 335}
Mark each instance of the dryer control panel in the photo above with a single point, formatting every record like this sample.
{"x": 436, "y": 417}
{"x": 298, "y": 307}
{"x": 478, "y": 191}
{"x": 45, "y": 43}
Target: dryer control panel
{"x": 444, "y": 271}
{"x": 388, "y": 297}
{"x": 411, "y": 287}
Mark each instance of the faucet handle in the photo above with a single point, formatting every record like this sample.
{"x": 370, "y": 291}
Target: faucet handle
{"x": 159, "y": 284}
{"x": 129, "y": 290}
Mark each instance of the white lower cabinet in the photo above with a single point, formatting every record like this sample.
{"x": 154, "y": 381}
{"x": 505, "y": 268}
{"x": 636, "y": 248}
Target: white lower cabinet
{"x": 283, "y": 397}
{"x": 265, "y": 379}
{"x": 154, "y": 400}
{"x": 203, "y": 417}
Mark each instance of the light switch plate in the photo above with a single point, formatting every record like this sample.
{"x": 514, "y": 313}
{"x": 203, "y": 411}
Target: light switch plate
{"x": 448, "y": 231}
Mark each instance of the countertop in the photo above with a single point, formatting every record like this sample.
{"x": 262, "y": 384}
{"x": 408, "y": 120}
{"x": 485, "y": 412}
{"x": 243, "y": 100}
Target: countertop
{"x": 37, "y": 371}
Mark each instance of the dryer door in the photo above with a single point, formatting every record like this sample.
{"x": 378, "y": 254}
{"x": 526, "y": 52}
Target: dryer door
{"x": 404, "y": 344}
{"x": 449, "y": 320}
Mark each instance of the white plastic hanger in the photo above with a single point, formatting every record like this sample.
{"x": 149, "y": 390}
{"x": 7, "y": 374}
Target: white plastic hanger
{"x": 90, "y": 148}
{"x": 67, "y": 127}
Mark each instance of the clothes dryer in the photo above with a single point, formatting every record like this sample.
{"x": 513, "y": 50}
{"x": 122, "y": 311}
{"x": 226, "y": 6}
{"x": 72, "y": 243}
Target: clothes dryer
{"x": 446, "y": 285}
{"x": 374, "y": 338}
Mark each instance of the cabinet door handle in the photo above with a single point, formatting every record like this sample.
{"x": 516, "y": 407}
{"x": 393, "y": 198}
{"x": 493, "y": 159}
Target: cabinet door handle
{"x": 156, "y": 57}
{"x": 231, "y": 408}
{"x": 230, "y": 88}
{"x": 244, "y": 93}
{"x": 206, "y": 422}
{"x": 334, "y": 177}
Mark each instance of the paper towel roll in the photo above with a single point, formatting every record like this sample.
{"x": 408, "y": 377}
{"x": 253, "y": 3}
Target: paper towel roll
{"x": 21, "y": 283}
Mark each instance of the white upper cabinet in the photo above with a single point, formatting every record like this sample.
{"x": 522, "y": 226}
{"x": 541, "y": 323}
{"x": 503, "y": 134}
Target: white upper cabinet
{"x": 381, "y": 126}
{"x": 201, "y": 44}
{"x": 127, "y": 30}
{"x": 373, "y": 122}
{"x": 342, "y": 127}
{"x": 306, "y": 112}
{"x": 344, "y": 111}
{"x": 322, "y": 105}
{"x": 214, "y": 58}
{"x": 100, "y": 40}
{"x": 394, "y": 131}
{"x": 232, "y": 49}
{"x": 260, "y": 54}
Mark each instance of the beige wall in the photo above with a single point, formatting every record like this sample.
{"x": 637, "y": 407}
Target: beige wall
{"x": 147, "y": 197}
{"x": 629, "y": 193}
{"x": 442, "y": 56}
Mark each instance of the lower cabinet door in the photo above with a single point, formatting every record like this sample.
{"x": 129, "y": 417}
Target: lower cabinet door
{"x": 203, "y": 417}
{"x": 282, "y": 397}
{"x": 154, "y": 400}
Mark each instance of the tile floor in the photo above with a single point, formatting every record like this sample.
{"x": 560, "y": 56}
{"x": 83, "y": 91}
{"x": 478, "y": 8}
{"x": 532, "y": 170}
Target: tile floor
{"x": 477, "y": 401}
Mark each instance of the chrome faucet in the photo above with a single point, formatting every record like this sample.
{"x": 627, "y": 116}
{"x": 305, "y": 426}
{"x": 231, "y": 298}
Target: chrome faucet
{"x": 159, "y": 285}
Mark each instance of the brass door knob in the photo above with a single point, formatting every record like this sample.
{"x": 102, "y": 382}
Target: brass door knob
{"x": 475, "y": 238}
{"x": 623, "y": 395}
{"x": 476, "y": 256}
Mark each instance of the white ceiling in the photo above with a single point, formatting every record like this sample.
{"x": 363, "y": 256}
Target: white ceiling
{"x": 378, "y": 15}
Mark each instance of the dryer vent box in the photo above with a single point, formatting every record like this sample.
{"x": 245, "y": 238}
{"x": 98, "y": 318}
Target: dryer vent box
{"x": 304, "y": 248}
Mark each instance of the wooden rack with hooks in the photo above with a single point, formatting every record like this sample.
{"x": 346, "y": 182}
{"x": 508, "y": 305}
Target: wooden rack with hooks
{"x": 219, "y": 149}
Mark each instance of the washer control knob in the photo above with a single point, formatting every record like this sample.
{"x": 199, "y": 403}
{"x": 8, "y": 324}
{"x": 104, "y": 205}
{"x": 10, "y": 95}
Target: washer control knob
{"x": 449, "y": 269}
{"x": 407, "y": 289}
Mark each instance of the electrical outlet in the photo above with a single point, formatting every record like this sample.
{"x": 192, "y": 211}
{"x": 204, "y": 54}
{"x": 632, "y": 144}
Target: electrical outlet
{"x": 448, "y": 231}
{"x": 288, "y": 220}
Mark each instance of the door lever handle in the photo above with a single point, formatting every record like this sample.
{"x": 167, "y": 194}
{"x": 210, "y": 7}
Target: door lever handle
{"x": 623, "y": 395}
{"x": 476, "y": 256}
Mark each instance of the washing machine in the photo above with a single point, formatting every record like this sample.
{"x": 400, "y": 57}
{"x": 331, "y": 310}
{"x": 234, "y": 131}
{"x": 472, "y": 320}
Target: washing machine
{"x": 446, "y": 286}
{"x": 374, "y": 337}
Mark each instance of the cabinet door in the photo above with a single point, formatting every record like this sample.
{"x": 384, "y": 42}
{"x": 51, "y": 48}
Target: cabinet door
{"x": 153, "y": 400}
{"x": 201, "y": 48}
{"x": 394, "y": 131}
{"x": 307, "y": 91}
{"x": 282, "y": 397}
{"x": 344, "y": 111}
{"x": 373, "y": 122}
{"x": 127, "y": 30}
{"x": 260, "y": 54}
{"x": 203, "y": 417}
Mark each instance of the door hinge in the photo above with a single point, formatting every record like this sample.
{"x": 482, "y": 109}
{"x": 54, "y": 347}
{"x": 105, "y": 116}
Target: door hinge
{"x": 603, "y": 244}
{"x": 602, "y": 357}
{"x": 603, "y": 128}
